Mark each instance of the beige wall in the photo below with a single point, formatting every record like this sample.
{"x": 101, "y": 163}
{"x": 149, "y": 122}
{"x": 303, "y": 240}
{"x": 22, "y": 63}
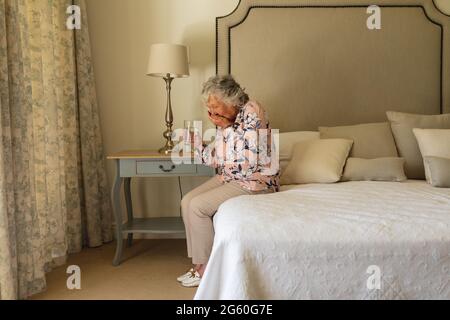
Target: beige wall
{"x": 132, "y": 105}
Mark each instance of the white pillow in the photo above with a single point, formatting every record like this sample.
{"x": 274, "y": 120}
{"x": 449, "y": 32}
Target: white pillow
{"x": 439, "y": 169}
{"x": 287, "y": 141}
{"x": 317, "y": 161}
{"x": 433, "y": 143}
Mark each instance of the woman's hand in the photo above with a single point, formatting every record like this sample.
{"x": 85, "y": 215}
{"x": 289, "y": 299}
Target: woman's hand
{"x": 220, "y": 120}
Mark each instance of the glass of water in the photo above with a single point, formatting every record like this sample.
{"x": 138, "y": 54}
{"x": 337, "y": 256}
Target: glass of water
{"x": 190, "y": 132}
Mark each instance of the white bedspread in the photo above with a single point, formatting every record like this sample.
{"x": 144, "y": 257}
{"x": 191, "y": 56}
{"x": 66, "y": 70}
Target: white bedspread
{"x": 318, "y": 241}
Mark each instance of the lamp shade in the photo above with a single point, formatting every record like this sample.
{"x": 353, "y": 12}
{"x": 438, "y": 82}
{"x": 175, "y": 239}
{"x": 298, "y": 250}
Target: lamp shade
{"x": 168, "y": 59}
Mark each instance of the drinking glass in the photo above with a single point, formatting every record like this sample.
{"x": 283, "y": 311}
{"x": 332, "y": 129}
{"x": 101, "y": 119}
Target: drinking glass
{"x": 192, "y": 132}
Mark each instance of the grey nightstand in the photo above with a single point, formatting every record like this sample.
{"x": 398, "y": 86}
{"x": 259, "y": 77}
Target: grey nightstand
{"x": 145, "y": 163}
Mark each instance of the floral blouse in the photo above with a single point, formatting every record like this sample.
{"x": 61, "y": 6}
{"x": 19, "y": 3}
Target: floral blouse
{"x": 242, "y": 152}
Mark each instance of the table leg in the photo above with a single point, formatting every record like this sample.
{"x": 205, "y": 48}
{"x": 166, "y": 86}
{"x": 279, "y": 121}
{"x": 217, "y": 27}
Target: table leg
{"x": 115, "y": 196}
{"x": 127, "y": 187}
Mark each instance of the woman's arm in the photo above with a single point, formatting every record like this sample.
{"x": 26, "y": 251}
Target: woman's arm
{"x": 209, "y": 154}
{"x": 206, "y": 153}
{"x": 247, "y": 149}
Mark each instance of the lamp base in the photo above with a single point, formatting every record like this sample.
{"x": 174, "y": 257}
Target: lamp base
{"x": 168, "y": 147}
{"x": 166, "y": 150}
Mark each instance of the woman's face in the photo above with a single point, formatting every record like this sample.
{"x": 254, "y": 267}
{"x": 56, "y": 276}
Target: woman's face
{"x": 216, "y": 107}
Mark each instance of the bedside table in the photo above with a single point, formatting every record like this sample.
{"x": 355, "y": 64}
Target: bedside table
{"x": 146, "y": 163}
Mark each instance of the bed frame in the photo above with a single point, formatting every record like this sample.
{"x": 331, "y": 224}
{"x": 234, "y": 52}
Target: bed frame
{"x": 316, "y": 63}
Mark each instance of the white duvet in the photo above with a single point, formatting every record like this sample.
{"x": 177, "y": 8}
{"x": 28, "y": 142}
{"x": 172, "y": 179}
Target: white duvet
{"x": 330, "y": 241}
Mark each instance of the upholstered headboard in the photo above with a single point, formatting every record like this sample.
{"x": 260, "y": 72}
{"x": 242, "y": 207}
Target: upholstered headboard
{"x": 316, "y": 63}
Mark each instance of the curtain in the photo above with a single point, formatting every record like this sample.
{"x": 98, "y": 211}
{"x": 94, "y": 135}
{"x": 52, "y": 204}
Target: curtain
{"x": 53, "y": 190}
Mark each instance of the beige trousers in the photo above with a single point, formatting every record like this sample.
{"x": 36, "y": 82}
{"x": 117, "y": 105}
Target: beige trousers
{"x": 198, "y": 208}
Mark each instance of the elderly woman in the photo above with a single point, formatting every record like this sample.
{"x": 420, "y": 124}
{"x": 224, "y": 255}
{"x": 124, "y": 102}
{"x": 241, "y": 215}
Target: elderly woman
{"x": 236, "y": 154}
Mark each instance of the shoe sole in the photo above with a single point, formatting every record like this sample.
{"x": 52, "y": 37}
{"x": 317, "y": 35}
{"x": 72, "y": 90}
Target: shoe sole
{"x": 190, "y": 286}
{"x": 180, "y": 281}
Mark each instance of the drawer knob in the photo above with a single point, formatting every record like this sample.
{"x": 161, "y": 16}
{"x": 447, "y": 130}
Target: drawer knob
{"x": 167, "y": 170}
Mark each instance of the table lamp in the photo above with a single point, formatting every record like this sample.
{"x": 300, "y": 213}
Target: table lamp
{"x": 168, "y": 61}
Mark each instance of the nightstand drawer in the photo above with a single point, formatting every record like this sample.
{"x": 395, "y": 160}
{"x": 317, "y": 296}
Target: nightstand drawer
{"x": 164, "y": 167}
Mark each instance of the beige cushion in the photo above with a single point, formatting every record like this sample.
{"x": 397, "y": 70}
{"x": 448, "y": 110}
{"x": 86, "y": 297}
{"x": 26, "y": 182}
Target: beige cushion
{"x": 433, "y": 143}
{"x": 402, "y": 125}
{"x": 287, "y": 141}
{"x": 380, "y": 169}
{"x": 372, "y": 140}
{"x": 439, "y": 171}
{"x": 317, "y": 161}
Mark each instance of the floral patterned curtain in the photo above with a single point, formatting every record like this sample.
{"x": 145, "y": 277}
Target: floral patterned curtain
{"x": 53, "y": 190}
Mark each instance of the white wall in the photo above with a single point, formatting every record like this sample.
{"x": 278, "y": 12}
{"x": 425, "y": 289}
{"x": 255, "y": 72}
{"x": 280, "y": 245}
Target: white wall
{"x": 132, "y": 105}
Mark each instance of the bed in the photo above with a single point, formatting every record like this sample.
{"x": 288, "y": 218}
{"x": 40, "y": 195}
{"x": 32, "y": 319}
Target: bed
{"x": 317, "y": 64}
{"x": 319, "y": 242}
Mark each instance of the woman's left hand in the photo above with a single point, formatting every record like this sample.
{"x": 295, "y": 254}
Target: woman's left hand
{"x": 219, "y": 120}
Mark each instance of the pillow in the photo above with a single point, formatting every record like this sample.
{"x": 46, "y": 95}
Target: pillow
{"x": 380, "y": 169}
{"x": 372, "y": 140}
{"x": 317, "y": 161}
{"x": 287, "y": 141}
{"x": 439, "y": 171}
{"x": 402, "y": 125}
{"x": 434, "y": 143}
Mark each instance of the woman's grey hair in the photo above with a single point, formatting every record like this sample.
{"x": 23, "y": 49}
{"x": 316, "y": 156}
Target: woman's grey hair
{"x": 226, "y": 89}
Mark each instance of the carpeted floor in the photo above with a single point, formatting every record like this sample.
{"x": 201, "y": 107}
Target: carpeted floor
{"x": 149, "y": 271}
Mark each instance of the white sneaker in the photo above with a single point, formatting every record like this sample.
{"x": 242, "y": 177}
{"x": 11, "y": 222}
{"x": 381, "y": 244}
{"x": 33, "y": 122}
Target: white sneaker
{"x": 186, "y": 275}
{"x": 192, "y": 281}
